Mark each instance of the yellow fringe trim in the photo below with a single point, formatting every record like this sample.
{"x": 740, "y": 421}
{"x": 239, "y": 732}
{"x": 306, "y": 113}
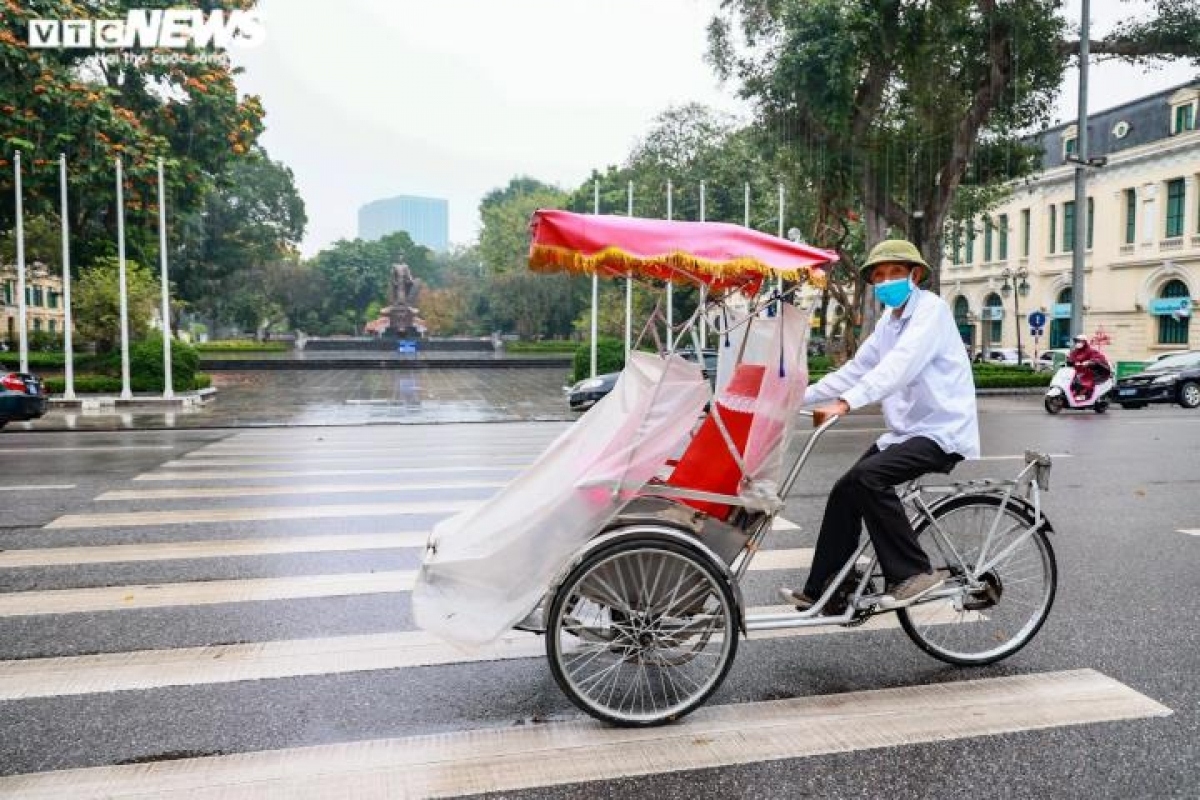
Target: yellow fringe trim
{"x": 552, "y": 258}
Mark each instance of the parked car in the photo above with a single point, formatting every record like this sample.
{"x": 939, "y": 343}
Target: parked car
{"x": 22, "y": 396}
{"x": 1173, "y": 379}
{"x": 1003, "y": 355}
{"x": 1051, "y": 360}
{"x": 587, "y": 392}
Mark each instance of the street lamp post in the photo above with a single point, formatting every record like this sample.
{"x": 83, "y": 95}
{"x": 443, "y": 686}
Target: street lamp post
{"x": 1016, "y": 279}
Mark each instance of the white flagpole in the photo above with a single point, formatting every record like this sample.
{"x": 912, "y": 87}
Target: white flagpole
{"x": 779, "y": 281}
{"x": 629, "y": 284}
{"x": 703, "y": 289}
{"x": 595, "y": 280}
{"x": 68, "y": 348}
{"x": 670, "y": 284}
{"x": 168, "y": 383}
{"x": 126, "y": 391}
{"x": 22, "y": 335}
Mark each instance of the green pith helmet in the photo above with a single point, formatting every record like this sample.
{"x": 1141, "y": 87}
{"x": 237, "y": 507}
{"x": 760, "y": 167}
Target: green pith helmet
{"x": 895, "y": 251}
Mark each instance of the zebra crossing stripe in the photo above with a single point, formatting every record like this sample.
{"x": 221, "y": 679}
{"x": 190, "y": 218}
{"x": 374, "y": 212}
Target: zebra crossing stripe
{"x": 289, "y": 489}
{"x": 399, "y": 459}
{"x": 216, "y": 664}
{"x": 574, "y": 751}
{"x": 119, "y": 598}
{"x": 211, "y": 548}
{"x": 241, "y": 590}
{"x": 133, "y": 519}
{"x": 232, "y": 475}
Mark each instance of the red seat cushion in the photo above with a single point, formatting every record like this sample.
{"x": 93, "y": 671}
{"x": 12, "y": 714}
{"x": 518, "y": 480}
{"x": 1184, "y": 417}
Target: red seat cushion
{"x": 707, "y": 465}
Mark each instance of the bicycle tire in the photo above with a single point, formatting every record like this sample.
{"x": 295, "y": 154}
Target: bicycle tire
{"x": 621, "y": 628}
{"x": 986, "y": 627}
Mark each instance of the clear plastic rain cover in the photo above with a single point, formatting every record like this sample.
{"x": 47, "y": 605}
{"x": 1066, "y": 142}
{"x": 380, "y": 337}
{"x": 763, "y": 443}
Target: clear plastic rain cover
{"x": 486, "y": 568}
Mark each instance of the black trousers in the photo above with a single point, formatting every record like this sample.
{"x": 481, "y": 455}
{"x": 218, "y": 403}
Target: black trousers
{"x": 866, "y": 494}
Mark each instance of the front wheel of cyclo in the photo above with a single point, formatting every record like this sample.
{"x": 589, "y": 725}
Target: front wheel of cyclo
{"x": 641, "y": 633}
{"x": 998, "y": 611}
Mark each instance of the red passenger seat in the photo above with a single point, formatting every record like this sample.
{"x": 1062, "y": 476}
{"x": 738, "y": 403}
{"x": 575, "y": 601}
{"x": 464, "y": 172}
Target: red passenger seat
{"x": 707, "y": 465}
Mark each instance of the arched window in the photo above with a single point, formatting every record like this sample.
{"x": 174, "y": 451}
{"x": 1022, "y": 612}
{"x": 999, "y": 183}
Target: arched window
{"x": 1173, "y": 327}
{"x": 1060, "y": 327}
{"x": 961, "y": 309}
{"x": 995, "y": 329}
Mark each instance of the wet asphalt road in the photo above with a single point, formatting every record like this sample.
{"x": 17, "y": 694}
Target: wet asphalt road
{"x": 1125, "y": 489}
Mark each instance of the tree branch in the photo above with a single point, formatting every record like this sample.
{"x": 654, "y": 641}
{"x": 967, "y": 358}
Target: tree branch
{"x": 1132, "y": 48}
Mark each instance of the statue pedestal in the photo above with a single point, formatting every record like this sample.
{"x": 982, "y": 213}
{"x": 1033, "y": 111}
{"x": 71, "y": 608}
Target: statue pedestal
{"x": 401, "y": 322}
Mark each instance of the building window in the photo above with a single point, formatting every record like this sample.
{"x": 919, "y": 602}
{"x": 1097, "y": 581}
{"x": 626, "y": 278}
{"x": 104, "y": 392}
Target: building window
{"x": 8, "y": 293}
{"x": 995, "y": 326}
{"x": 971, "y": 242}
{"x": 1185, "y": 119}
{"x": 52, "y": 299}
{"x": 1130, "y": 216}
{"x": 1173, "y": 328}
{"x": 1175, "y": 208}
{"x": 37, "y": 324}
{"x": 53, "y": 326}
{"x": 1026, "y": 221}
{"x": 1069, "y": 226}
{"x": 962, "y": 318}
{"x": 1053, "y": 226}
{"x": 1060, "y": 325}
{"x": 1090, "y": 219}
{"x": 987, "y": 239}
{"x": 1003, "y": 243}
{"x": 956, "y": 244}
{"x": 1070, "y": 147}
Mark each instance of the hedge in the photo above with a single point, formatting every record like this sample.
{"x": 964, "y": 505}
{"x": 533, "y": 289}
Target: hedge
{"x": 241, "y": 346}
{"x": 554, "y": 346}
{"x": 106, "y": 384}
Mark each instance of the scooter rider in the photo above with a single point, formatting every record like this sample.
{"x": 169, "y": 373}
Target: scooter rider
{"x": 1090, "y": 365}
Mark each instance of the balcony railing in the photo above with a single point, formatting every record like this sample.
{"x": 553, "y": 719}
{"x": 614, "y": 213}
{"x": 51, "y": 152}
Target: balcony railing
{"x": 1196, "y": 240}
{"x": 1168, "y": 245}
{"x": 1128, "y": 249}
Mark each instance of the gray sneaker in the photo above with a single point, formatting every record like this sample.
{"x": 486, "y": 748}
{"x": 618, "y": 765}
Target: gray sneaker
{"x": 911, "y": 590}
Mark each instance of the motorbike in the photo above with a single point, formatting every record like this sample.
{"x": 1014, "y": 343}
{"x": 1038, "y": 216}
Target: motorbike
{"x": 1061, "y": 392}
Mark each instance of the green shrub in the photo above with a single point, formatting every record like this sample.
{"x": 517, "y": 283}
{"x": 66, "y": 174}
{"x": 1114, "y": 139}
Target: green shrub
{"x": 107, "y": 384}
{"x": 610, "y": 357}
{"x": 241, "y": 346}
{"x": 555, "y": 346}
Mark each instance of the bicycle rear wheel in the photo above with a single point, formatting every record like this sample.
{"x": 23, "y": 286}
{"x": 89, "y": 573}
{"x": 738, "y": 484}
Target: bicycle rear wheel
{"x": 995, "y": 612}
{"x": 641, "y": 633}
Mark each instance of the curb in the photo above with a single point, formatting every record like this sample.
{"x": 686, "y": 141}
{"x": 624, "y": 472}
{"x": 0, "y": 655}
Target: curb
{"x": 99, "y": 402}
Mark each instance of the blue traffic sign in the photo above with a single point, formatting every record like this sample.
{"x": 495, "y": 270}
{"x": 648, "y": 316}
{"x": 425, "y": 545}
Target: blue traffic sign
{"x": 1037, "y": 319}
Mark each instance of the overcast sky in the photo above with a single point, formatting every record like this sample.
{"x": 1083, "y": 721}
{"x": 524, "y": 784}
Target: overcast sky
{"x": 451, "y": 98}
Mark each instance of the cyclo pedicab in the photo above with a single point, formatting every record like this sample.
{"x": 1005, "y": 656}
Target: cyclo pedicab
{"x": 625, "y": 542}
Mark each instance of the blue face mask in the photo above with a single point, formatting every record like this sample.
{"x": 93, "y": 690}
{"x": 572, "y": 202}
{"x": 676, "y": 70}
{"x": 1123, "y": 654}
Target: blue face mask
{"x": 894, "y": 294}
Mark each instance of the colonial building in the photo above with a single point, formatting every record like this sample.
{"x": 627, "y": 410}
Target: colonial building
{"x": 1142, "y": 259}
{"x": 43, "y": 301}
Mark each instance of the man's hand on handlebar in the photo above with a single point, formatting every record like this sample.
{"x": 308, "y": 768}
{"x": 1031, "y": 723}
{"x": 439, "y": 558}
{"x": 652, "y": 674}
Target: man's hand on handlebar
{"x": 838, "y": 408}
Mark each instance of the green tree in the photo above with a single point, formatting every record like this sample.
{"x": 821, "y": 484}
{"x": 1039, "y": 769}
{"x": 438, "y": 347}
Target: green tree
{"x": 889, "y": 106}
{"x": 96, "y": 302}
{"x": 252, "y": 217}
{"x": 72, "y": 101}
{"x": 504, "y": 239}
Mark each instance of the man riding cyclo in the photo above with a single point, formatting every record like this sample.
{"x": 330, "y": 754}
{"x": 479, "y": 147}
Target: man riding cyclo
{"x": 1091, "y": 366}
{"x": 913, "y": 364}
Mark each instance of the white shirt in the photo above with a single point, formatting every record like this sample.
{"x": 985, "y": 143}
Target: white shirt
{"x": 917, "y": 366}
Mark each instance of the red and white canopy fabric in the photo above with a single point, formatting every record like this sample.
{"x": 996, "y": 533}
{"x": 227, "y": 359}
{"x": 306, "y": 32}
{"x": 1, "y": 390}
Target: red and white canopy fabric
{"x": 719, "y": 254}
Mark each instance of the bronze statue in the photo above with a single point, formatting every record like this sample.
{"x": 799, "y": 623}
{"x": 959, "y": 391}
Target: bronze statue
{"x": 404, "y": 285}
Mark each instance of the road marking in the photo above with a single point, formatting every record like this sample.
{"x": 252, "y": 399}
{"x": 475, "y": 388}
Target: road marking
{"x": 575, "y": 751}
{"x": 308, "y": 489}
{"x": 1017, "y": 458}
{"x": 782, "y": 524}
{"x": 400, "y": 458}
{"x": 196, "y": 666}
{"x": 132, "y": 519}
{"x": 222, "y": 475}
{"x": 45, "y": 488}
{"x": 1195, "y": 532}
{"x": 119, "y": 597}
{"x": 194, "y": 593}
{"x": 214, "y": 548}
{"x": 97, "y": 449}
